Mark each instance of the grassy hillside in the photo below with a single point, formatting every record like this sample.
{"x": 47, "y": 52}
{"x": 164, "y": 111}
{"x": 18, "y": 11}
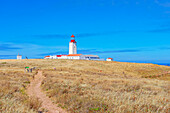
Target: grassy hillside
{"x": 88, "y": 86}
{"x": 13, "y": 83}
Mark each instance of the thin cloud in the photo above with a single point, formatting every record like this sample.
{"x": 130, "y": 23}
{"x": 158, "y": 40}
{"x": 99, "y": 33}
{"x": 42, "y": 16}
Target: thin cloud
{"x": 164, "y": 4}
{"x": 118, "y": 51}
{"x": 7, "y": 56}
{"x": 51, "y": 36}
{"x": 98, "y": 34}
{"x": 167, "y": 12}
{"x": 53, "y": 53}
{"x": 92, "y": 51}
{"x": 7, "y": 47}
{"x": 85, "y": 51}
{"x": 80, "y": 35}
{"x": 160, "y": 30}
{"x": 95, "y": 51}
{"x": 164, "y": 48}
{"x": 166, "y": 25}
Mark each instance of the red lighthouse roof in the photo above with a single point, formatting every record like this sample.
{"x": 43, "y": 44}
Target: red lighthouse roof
{"x": 110, "y": 58}
{"x": 73, "y": 39}
{"x": 72, "y": 36}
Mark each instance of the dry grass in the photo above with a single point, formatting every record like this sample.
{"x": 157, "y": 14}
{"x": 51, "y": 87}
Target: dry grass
{"x": 91, "y": 86}
{"x": 99, "y": 86}
{"x": 13, "y": 83}
{"x": 34, "y": 103}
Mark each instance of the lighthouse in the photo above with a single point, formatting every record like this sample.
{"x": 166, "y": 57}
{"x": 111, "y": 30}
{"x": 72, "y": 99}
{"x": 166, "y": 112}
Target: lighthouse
{"x": 73, "y": 53}
{"x": 72, "y": 45}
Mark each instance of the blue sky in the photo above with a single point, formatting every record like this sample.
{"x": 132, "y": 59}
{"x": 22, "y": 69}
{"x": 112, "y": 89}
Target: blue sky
{"x": 127, "y": 30}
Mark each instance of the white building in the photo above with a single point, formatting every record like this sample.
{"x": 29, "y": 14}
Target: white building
{"x": 74, "y": 56}
{"x": 109, "y": 59}
{"x": 19, "y": 56}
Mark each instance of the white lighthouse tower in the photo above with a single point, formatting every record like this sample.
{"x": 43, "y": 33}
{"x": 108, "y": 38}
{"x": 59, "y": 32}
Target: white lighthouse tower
{"x": 72, "y": 45}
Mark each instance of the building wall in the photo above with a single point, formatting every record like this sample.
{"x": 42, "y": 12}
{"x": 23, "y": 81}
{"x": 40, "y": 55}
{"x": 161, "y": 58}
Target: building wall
{"x": 75, "y": 48}
{"x": 74, "y": 57}
{"x": 89, "y": 57}
{"x": 52, "y": 57}
{"x": 71, "y": 48}
{"x": 109, "y": 60}
{"x": 82, "y": 57}
{"x": 19, "y": 57}
{"x": 62, "y": 57}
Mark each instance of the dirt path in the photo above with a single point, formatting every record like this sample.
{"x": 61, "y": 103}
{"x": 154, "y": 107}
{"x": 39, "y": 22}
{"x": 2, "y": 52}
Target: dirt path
{"x": 35, "y": 90}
